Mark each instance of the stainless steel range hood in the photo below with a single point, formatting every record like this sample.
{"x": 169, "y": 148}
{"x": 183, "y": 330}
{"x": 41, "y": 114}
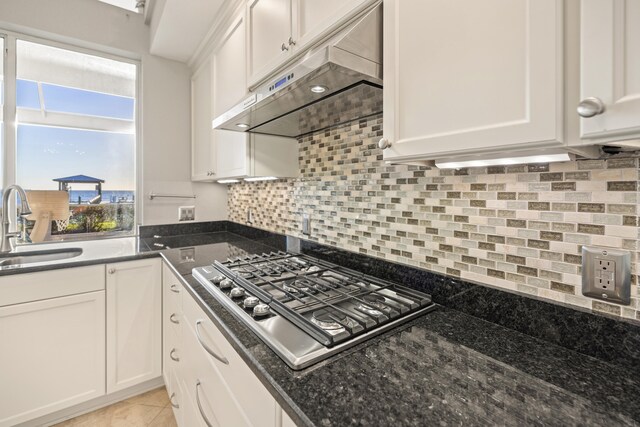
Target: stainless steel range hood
{"x": 334, "y": 83}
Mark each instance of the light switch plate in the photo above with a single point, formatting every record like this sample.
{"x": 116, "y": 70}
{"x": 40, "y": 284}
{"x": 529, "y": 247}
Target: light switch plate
{"x": 606, "y": 274}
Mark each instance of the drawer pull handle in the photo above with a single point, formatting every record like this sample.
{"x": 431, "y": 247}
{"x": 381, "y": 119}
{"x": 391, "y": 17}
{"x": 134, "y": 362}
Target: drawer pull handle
{"x": 174, "y": 358}
{"x": 175, "y": 405}
{"x": 204, "y": 417}
{"x": 207, "y": 348}
{"x": 173, "y": 319}
{"x": 174, "y": 289}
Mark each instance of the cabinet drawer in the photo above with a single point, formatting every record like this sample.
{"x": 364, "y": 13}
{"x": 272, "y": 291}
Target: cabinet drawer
{"x": 212, "y": 398}
{"x": 19, "y": 288}
{"x": 257, "y": 403}
{"x": 176, "y": 397}
{"x": 171, "y": 353}
{"x": 171, "y": 320}
{"x": 171, "y": 289}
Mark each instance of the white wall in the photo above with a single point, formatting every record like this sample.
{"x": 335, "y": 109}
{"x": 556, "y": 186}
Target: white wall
{"x": 165, "y": 95}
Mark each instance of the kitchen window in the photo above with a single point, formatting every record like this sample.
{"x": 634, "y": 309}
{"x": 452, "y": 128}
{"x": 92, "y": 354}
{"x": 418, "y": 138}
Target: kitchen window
{"x": 70, "y": 139}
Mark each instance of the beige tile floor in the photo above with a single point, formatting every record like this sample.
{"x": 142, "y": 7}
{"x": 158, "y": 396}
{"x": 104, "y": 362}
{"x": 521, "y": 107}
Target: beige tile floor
{"x": 150, "y": 409}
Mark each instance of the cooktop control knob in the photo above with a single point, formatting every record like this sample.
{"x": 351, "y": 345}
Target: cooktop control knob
{"x": 237, "y": 292}
{"x": 217, "y": 279}
{"x": 226, "y": 284}
{"x": 261, "y": 310}
{"x": 250, "y": 302}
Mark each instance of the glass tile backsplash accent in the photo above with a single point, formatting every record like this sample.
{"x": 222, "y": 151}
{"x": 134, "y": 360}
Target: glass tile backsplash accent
{"x": 517, "y": 227}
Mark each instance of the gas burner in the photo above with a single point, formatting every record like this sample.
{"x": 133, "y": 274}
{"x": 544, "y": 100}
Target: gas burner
{"x": 298, "y": 287}
{"x": 374, "y": 298}
{"x": 375, "y": 304}
{"x": 326, "y": 319}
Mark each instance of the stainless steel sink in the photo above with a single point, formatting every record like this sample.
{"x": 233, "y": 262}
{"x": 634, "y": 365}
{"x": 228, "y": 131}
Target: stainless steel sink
{"x": 20, "y": 258}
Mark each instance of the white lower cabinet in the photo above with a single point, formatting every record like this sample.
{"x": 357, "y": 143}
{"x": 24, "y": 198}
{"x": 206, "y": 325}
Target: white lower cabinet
{"x": 220, "y": 387}
{"x": 52, "y": 354}
{"x": 171, "y": 341}
{"x": 176, "y": 397}
{"x": 134, "y": 327}
{"x": 71, "y": 335}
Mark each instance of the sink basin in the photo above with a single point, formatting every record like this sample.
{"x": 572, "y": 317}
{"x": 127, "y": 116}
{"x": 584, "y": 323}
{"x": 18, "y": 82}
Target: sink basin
{"x": 20, "y": 258}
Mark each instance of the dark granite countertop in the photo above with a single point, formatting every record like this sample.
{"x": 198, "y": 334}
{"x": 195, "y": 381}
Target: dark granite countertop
{"x": 100, "y": 251}
{"x": 445, "y": 368}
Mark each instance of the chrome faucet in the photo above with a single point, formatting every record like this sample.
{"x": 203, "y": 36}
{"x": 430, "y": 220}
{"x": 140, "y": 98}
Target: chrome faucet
{"x": 25, "y": 209}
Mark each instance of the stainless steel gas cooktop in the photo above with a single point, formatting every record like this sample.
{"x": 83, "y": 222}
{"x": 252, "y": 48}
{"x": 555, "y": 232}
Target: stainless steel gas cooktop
{"x": 306, "y": 309}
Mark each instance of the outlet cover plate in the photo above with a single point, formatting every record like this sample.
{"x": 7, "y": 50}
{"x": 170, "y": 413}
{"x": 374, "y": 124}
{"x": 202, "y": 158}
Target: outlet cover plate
{"x": 306, "y": 224}
{"x": 621, "y": 291}
{"x": 186, "y": 213}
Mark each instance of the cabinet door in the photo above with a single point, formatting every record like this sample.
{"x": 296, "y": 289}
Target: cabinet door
{"x": 229, "y": 87}
{"x": 610, "y": 67}
{"x": 470, "y": 76}
{"x": 313, "y": 18}
{"x": 269, "y": 29}
{"x": 53, "y": 355}
{"x": 203, "y": 153}
{"x": 134, "y": 325}
{"x": 171, "y": 321}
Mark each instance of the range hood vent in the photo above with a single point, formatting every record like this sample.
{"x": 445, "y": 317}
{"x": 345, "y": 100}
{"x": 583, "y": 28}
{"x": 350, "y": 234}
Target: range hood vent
{"x": 337, "y": 82}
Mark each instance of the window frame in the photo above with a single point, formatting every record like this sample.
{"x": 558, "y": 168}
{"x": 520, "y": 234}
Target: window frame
{"x": 8, "y": 151}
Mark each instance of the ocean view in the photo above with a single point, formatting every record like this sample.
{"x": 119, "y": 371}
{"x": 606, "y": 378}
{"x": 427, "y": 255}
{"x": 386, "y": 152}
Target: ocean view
{"x": 108, "y": 196}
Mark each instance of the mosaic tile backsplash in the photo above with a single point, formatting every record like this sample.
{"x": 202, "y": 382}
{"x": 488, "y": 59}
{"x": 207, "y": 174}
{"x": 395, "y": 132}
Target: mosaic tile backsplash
{"x": 517, "y": 227}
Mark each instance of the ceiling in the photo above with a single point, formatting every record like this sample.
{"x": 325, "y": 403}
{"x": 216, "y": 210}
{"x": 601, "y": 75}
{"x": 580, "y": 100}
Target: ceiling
{"x": 178, "y": 27}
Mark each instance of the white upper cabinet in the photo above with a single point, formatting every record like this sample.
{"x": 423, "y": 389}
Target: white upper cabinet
{"x": 610, "y": 69}
{"x": 203, "y": 149}
{"x": 269, "y": 35}
{"x": 228, "y": 67}
{"x": 471, "y": 77}
{"x": 312, "y": 18}
{"x": 229, "y": 86}
{"x": 277, "y": 30}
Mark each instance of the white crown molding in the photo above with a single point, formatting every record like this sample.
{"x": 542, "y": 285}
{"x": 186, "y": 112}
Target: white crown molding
{"x": 225, "y": 15}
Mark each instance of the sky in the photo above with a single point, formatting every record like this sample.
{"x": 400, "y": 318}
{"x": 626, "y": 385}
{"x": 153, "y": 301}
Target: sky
{"x": 45, "y": 153}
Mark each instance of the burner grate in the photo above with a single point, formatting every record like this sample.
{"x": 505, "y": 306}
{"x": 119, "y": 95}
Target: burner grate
{"x": 296, "y": 286}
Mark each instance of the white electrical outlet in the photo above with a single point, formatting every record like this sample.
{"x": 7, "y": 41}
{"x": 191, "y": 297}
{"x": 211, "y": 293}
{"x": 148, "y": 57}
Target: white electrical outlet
{"x": 186, "y": 213}
{"x": 606, "y": 274}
